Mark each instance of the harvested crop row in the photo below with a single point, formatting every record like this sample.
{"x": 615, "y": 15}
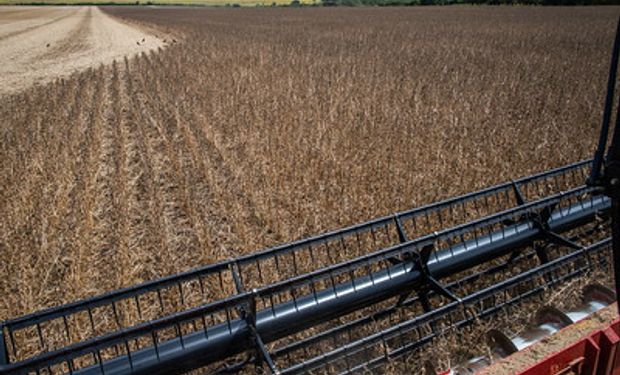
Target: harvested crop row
{"x": 82, "y": 197}
{"x": 104, "y": 232}
{"x": 140, "y": 259}
{"x": 180, "y": 239}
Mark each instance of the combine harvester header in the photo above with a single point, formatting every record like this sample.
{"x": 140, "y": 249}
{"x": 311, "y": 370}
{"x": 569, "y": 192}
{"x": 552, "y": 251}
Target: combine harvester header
{"x": 347, "y": 301}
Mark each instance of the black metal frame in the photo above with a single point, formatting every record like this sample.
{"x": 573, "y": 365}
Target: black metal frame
{"x": 608, "y": 178}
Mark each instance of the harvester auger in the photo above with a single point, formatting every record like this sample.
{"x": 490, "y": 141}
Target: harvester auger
{"x": 346, "y": 301}
{"x": 547, "y": 321}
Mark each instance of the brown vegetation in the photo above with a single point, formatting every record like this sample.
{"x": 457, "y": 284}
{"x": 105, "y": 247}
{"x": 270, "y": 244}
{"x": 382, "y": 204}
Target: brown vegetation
{"x": 267, "y": 125}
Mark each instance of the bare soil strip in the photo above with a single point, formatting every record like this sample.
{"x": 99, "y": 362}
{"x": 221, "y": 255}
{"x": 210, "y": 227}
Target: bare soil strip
{"x": 75, "y": 41}
{"x": 61, "y": 41}
{"x": 14, "y": 24}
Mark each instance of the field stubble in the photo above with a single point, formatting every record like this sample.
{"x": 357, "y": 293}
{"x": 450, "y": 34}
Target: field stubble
{"x": 268, "y": 125}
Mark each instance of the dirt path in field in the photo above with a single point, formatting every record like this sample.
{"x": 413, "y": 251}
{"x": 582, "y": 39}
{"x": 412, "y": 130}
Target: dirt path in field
{"x": 16, "y": 22}
{"x": 39, "y": 45}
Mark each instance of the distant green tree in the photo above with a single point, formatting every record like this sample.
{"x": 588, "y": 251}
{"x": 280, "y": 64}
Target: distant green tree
{"x": 451, "y": 2}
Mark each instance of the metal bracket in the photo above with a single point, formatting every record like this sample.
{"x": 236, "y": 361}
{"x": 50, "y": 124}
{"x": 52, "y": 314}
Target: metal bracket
{"x": 518, "y": 195}
{"x": 435, "y": 285}
{"x": 559, "y": 240}
{"x": 429, "y": 283}
{"x": 520, "y": 201}
{"x": 234, "y": 270}
{"x": 262, "y": 354}
{"x": 248, "y": 313}
{"x": 541, "y": 221}
{"x": 541, "y": 252}
{"x": 543, "y": 216}
{"x": 402, "y": 236}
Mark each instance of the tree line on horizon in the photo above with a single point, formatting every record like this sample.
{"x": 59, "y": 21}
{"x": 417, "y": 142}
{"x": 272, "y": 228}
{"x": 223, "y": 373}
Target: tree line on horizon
{"x": 456, "y": 2}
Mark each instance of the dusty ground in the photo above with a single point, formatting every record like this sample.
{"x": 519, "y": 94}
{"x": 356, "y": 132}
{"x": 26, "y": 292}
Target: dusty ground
{"x": 38, "y": 45}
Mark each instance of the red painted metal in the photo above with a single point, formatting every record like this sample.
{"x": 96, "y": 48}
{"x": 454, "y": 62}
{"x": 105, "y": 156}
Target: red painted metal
{"x": 596, "y": 354}
{"x": 580, "y": 358}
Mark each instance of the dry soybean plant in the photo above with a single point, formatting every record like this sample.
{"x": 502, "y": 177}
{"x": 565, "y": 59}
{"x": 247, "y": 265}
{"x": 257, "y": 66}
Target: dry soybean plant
{"x": 260, "y": 126}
